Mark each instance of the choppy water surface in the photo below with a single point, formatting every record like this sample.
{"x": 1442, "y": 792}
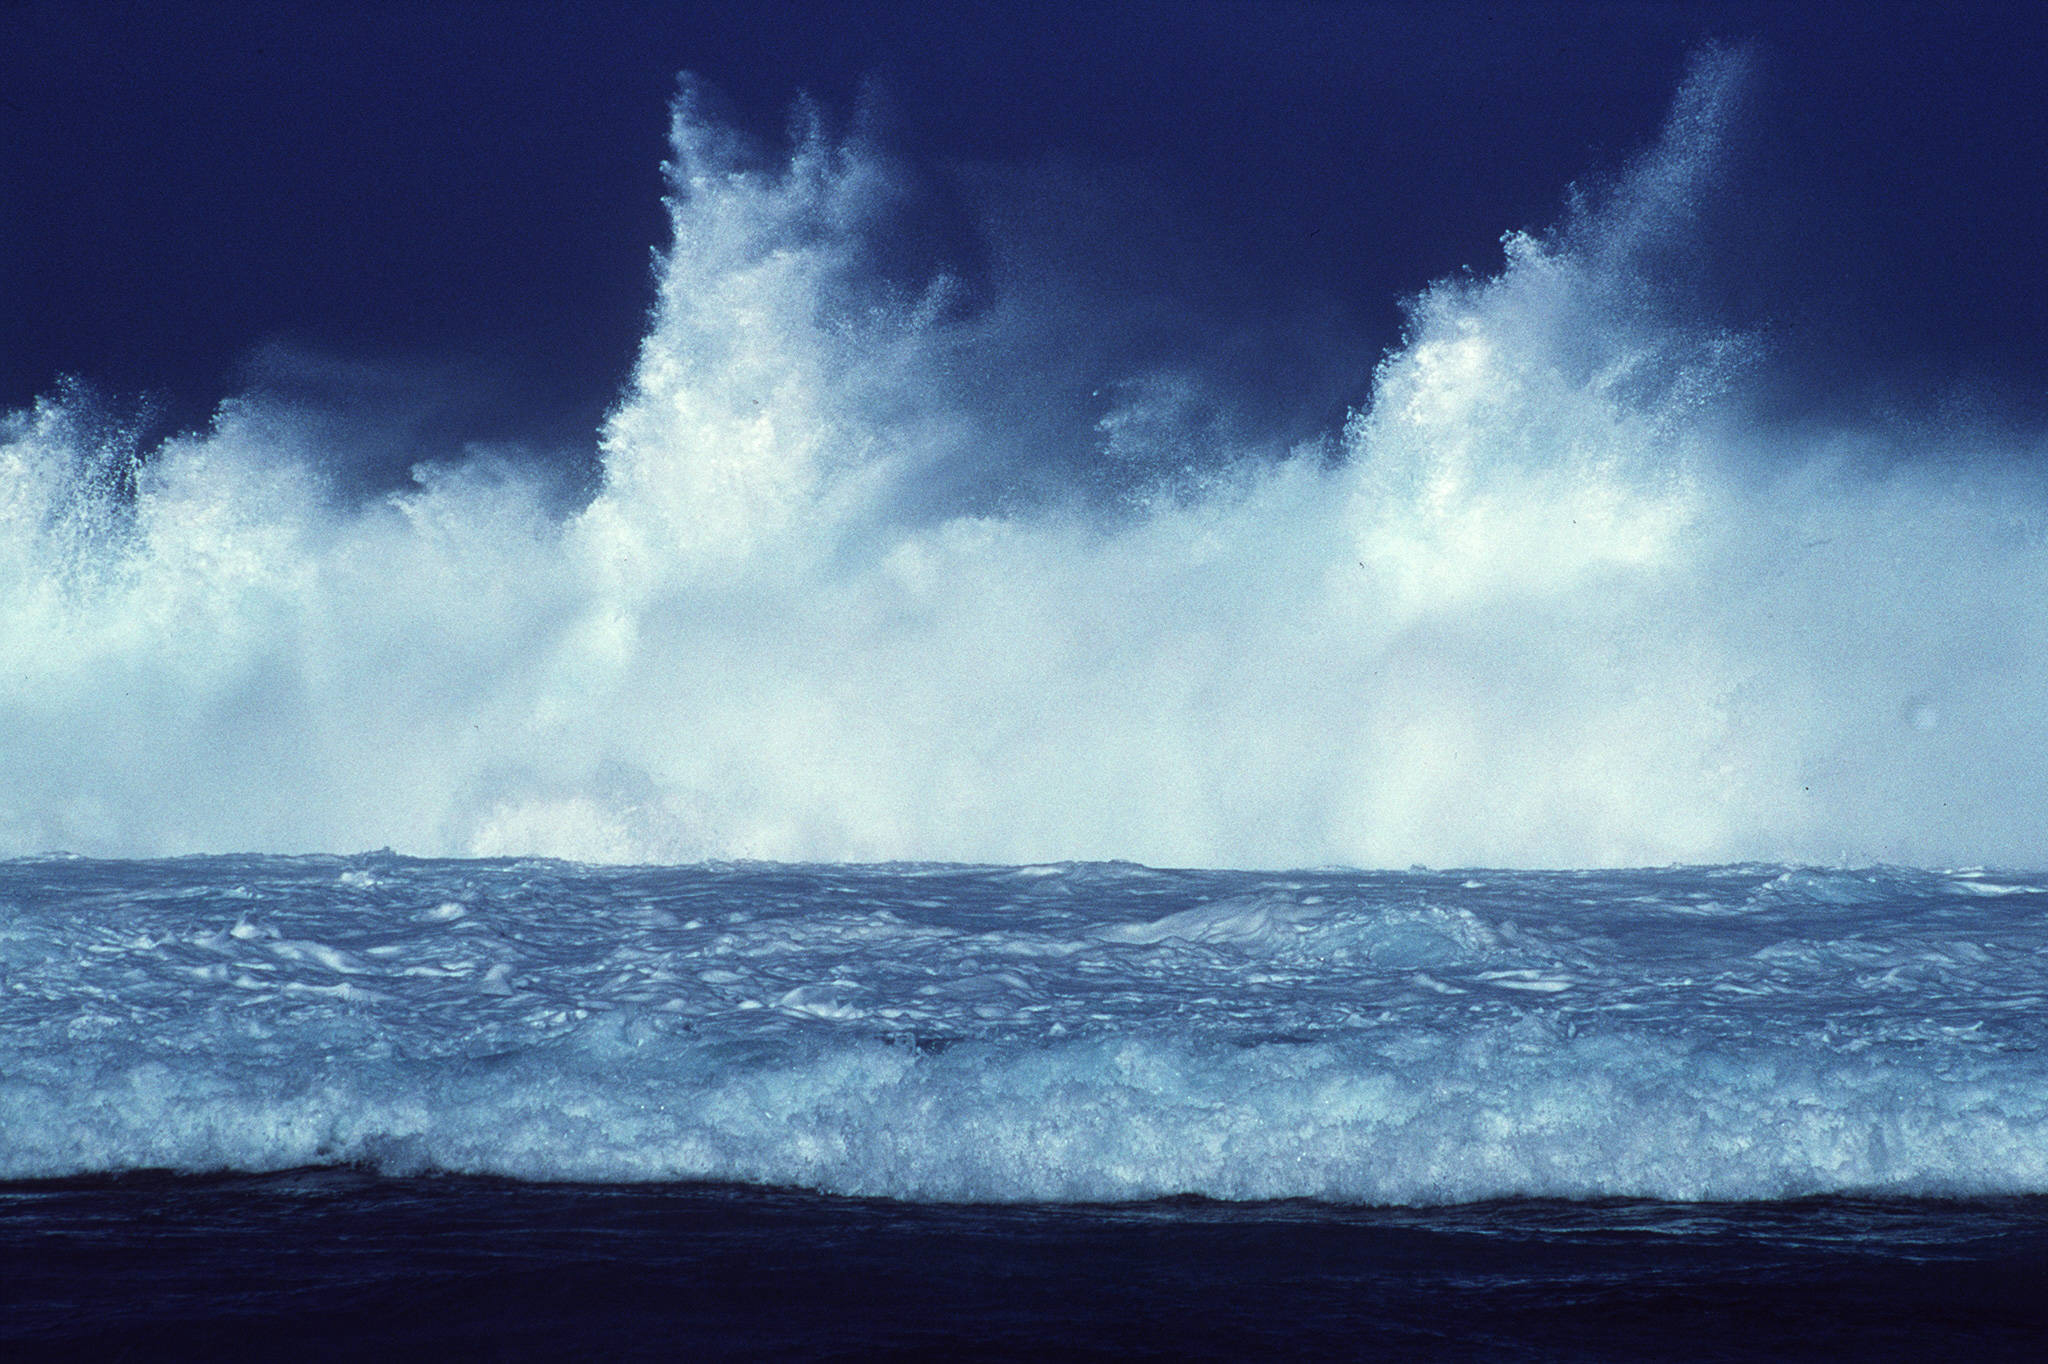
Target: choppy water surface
{"x": 1067, "y": 1033}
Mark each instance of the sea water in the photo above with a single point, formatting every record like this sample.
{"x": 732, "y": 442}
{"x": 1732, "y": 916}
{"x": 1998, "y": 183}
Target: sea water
{"x": 752, "y": 967}
{"x": 1057, "y": 1034}
{"x": 533, "y": 1104}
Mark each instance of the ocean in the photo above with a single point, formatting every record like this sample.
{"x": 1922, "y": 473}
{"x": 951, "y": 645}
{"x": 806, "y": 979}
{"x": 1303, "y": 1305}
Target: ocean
{"x": 524, "y": 1107}
{"x": 328, "y": 1264}
{"x": 921, "y": 840}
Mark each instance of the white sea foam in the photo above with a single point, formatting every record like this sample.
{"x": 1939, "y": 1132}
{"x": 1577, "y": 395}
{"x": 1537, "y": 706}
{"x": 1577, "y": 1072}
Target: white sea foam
{"x": 960, "y": 1034}
{"x": 1543, "y": 601}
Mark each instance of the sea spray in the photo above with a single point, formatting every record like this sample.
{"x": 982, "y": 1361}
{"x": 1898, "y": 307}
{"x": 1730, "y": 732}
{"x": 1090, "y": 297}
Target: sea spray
{"x": 1548, "y": 598}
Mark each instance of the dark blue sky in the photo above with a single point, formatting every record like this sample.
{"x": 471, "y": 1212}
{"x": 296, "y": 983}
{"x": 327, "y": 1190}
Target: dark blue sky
{"x": 458, "y": 201}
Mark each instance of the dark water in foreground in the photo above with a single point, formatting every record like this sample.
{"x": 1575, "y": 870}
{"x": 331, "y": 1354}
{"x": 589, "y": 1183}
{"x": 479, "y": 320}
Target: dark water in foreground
{"x": 334, "y": 1263}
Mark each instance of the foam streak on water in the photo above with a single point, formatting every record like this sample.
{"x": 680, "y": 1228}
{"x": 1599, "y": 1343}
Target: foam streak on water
{"x": 1543, "y": 601}
{"x": 1076, "y": 1032}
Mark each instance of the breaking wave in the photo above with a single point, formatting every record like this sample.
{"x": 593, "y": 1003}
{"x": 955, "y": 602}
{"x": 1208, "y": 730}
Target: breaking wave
{"x": 1547, "y": 598}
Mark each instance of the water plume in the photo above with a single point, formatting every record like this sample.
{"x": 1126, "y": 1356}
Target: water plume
{"x": 1543, "y": 600}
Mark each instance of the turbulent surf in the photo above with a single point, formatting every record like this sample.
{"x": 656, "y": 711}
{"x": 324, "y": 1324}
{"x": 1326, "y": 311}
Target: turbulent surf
{"x": 1069, "y": 1033}
{"x": 1546, "y": 599}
